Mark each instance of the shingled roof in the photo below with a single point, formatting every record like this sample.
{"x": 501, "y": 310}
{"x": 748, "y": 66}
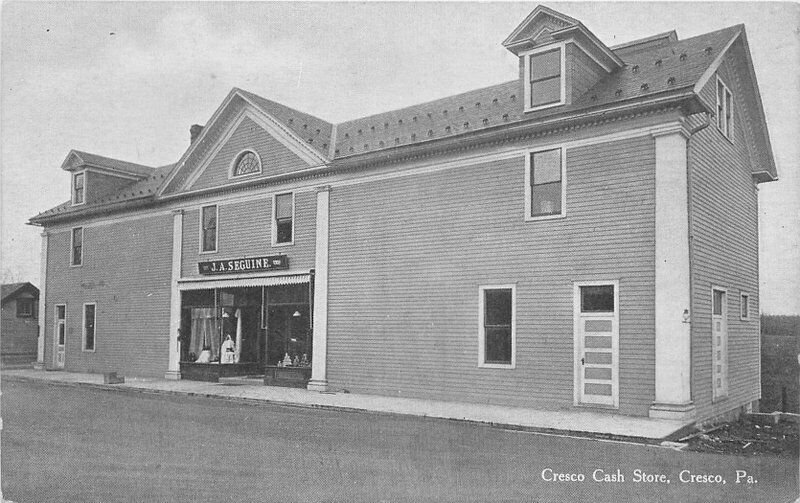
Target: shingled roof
{"x": 11, "y": 289}
{"x": 655, "y": 66}
{"x": 312, "y": 130}
{"x": 648, "y": 71}
{"x": 100, "y": 161}
{"x": 143, "y": 189}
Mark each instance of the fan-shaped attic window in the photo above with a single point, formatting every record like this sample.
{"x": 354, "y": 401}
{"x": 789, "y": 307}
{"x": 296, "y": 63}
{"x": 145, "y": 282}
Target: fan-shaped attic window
{"x": 246, "y": 163}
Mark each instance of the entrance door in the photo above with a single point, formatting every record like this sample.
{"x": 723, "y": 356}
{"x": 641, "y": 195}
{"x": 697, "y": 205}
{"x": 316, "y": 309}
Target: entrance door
{"x": 597, "y": 343}
{"x": 719, "y": 333}
{"x": 60, "y": 335}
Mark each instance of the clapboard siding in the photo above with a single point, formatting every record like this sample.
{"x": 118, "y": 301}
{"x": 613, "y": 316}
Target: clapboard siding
{"x": 407, "y": 257}
{"x": 126, "y": 272}
{"x": 582, "y": 72}
{"x": 100, "y": 186}
{"x": 724, "y": 253}
{"x": 244, "y": 230}
{"x": 275, "y": 157}
{"x": 19, "y": 333}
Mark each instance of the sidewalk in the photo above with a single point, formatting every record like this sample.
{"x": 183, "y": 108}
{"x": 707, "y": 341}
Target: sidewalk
{"x": 586, "y": 423}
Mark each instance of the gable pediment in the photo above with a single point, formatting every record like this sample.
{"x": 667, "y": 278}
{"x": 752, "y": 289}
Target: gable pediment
{"x": 247, "y": 139}
{"x": 536, "y": 29}
{"x": 237, "y": 126}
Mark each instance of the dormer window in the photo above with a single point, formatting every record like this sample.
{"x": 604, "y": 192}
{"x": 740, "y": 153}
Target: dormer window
{"x": 246, "y": 163}
{"x": 79, "y": 188}
{"x": 544, "y": 82}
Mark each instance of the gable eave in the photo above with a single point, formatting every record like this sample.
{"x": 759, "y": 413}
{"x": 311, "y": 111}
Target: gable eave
{"x": 772, "y": 168}
{"x": 593, "y": 41}
{"x": 741, "y": 36}
{"x": 214, "y": 117}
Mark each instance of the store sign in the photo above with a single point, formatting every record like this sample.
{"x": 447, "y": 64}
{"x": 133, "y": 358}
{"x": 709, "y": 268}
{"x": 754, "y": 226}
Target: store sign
{"x": 240, "y": 265}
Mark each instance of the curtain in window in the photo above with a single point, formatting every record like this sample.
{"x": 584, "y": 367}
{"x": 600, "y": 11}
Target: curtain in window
{"x": 204, "y": 331}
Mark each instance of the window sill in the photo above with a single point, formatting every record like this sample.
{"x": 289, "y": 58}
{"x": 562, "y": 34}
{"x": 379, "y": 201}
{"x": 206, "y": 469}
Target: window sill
{"x": 546, "y": 217}
{"x": 278, "y": 245}
{"x": 211, "y": 252}
{"x": 76, "y": 265}
{"x": 544, "y": 107}
{"x": 730, "y": 140}
{"x": 507, "y": 366}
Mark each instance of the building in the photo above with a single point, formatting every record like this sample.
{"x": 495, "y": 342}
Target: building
{"x": 582, "y": 236}
{"x": 19, "y": 329}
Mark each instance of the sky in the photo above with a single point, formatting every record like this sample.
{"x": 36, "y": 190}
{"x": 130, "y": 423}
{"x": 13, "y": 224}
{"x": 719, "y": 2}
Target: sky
{"x": 127, "y": 79}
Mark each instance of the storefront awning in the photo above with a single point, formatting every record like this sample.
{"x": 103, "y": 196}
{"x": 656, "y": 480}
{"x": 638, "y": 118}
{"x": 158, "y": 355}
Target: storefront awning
{"x": 240, "y": 281}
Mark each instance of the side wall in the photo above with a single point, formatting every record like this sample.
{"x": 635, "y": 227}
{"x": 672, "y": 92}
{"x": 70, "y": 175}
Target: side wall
{"x": 19, "y": 334}
{"x": 99, "y": 186}
{"x": 407, "y": 256}
{"x": 724, "y": 253}
{"x": 126, "y": 272}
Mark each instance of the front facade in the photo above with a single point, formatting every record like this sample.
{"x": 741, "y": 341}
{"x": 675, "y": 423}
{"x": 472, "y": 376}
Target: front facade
{"x": 19, "y": 329}
{"x": 584, "y": 236}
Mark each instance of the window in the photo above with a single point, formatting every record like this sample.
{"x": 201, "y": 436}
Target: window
{"x": 246, "y": 163}
{"x": 79, "y": 188}
{"x": 283, "y": 221}
{"x": 89, "y": 327}
{"x": 77, "y": 246}
{"x": 597, "y": 299}
{"x": 724, "y": 110}
{"x": 61, "y": 324}
{"x": 497, "y": 337}
{"x": 716, "y": 309}
{"x": 745, "y": 306}
{"x": 544, "y": 85}
{"x": 25, "y": 308}
{"x": 208, "y": 229}
{"x": 544, "y": 188}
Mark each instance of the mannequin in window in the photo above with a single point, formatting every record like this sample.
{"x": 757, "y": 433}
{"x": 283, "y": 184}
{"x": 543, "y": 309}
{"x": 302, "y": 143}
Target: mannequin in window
{"x": 228, "y": 350}
{"x": 205, "y": 355}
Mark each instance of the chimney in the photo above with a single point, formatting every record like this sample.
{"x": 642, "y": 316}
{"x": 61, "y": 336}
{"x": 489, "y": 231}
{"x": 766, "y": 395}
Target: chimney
{"x": 194, "y": 132}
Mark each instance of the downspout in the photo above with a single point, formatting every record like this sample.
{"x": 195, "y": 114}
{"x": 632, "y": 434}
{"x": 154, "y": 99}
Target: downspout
{"x": 689, "y": 189}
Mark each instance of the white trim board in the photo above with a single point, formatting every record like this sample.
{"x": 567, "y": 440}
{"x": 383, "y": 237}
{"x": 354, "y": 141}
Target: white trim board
{"x": 410, "y": 169}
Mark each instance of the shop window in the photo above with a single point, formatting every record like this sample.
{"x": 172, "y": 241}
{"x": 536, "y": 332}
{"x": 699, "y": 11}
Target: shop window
{"x": 89, "y": 319}
{"x": 208, "y": 231}
{"x": 544, "y": 85}
{"x": 76, "y": 257}
{"x": 497, "y": 337}
{"x": 79, "y": 188}
{"x": 25, "y": 308}
{"x": 283, "y": 220}
{"x": 246, "y": 163}
{"x": 724, "y": 109}
{"x": 545, "y": 184}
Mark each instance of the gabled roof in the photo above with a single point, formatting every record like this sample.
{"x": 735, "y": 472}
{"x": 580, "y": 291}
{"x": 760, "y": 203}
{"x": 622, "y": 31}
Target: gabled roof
{"x": 502, "y": 104}
{"x": 658, "y": 69}
{"x": 306, "y": 135}
{"x": 142, "y": 190}
{"x": 79, "y": 160}
{"x": 10, "y": 290}
{"x": 313, "y": 130}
